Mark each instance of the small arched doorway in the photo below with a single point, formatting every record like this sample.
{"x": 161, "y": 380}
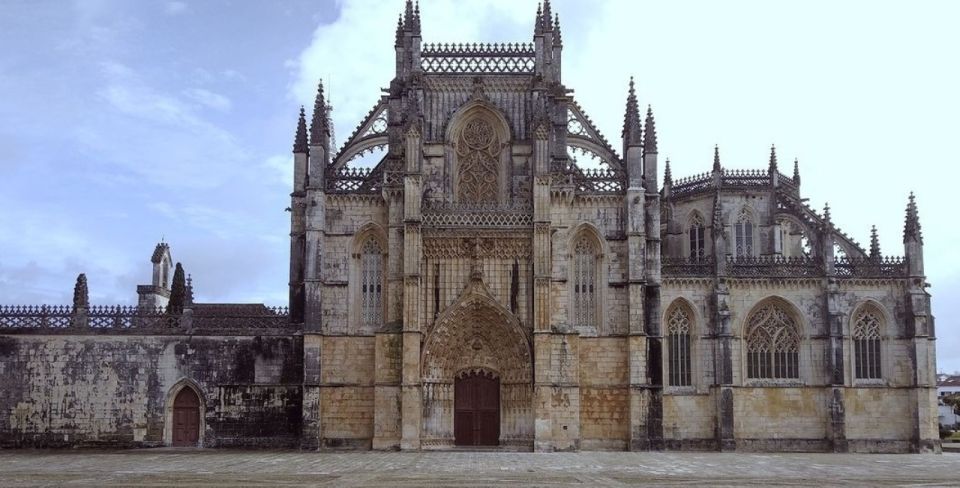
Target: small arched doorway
{"x": 186, "y": 418}
{"x": 476, "y": 418}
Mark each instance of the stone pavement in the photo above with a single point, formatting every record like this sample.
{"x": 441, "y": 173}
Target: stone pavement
{"x": 234, "y": 469}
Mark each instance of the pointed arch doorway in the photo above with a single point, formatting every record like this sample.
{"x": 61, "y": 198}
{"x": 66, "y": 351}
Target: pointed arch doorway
{"x": 476, "y": 416}
{"x": 186, "y": 418}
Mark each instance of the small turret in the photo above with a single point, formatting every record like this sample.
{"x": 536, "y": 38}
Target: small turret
{"x": 157, "y": 293}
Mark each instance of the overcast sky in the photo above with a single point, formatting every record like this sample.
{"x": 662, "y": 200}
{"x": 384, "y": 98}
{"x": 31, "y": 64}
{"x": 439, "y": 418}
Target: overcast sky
{"x": 123, "y": 122}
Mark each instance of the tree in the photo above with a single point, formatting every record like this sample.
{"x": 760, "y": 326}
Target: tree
{"x": 178, "y": 292}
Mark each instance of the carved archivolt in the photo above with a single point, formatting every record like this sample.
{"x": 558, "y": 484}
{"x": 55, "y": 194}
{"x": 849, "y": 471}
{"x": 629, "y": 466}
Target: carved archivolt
{"x": 476, "y": 331}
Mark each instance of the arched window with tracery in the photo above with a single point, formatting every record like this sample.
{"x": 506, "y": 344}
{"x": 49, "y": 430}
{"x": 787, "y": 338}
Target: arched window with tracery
{"x": 773, "y": 343}
{"x": 585, "y": 253}
{"x": 478, "y": 162}
{"x": 867, "y": 325}
{"x": 695, "y": 235}
{"x": 743, "y": 233}
{"x": 679, "y": 330}
{"x": 371, "y": 283}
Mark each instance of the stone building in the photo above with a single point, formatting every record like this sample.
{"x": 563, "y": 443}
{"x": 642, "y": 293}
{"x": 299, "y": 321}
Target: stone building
{"x": 502, "y": 275}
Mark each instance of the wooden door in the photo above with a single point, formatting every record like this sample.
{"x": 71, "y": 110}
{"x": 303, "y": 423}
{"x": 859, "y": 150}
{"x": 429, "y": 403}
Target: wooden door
{"x": 186, "y": 418}
{"x": 476, "y": 418}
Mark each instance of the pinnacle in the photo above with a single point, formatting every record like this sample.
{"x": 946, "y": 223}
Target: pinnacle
{"x": 911, "y": 225}
{"x": 796, "y": 171}
{"x": 300, "y": 141}
{"x": 667, "y": 175}
{"x": 773, "y": 158}
{"x": 319, "y": 128}
{"x": 716, "y": 158}
{"x": 632, "y": 130}
{"x": 650, "y": 133}
{"x": 826, "y": 212}
{"x": 874, "y": 243}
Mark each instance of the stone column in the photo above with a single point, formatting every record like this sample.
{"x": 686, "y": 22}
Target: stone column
{"x": 411, "y": 399}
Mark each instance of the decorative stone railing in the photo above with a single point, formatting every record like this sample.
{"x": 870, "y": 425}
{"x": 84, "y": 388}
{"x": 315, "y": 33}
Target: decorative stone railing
{"x": 115, "y": 318}
{"x": 774, "y": 266}
{"x": 446, "y": 214}
{"x": 478, "y": 58}
{"x": 353, "y": 180}
{"x": 687, "y": 266}
{"x": 870, "y": 267}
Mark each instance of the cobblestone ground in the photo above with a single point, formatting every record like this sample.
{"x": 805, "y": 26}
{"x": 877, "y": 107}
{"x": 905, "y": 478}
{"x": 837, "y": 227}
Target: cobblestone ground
{"x": 234, "y": 469}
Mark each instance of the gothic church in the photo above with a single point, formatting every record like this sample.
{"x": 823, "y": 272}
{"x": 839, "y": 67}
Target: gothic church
{"x": 501, "y": 275}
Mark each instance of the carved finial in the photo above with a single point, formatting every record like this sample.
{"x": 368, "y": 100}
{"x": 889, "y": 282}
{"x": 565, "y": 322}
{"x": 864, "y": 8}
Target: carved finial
{"x": 178, "y": 292}
{"x": 81, "y": 297}
{"x": 716, "y": 159}
{"x": 650, "y": 133}
{"x": 667, "y": 175}
{"x": 911, "y": 225}
{"x": 632, "y": 131}
{"x": 874, "y": 243}
{"x": 319, "y": 126}
{"x": 826, "y": 215}
{"x": 796, "y": 171}
{"x": 300, "y": 141}
{"x": 773, "y": 159}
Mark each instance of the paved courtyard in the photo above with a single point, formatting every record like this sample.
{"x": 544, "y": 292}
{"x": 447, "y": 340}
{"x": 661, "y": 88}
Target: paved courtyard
{"x": 215, "y": 468}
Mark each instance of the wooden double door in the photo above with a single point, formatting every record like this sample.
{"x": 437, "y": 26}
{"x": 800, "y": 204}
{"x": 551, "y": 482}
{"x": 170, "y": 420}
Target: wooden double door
{"x": 476, "y": 417}
{"x": 186, "y": 418}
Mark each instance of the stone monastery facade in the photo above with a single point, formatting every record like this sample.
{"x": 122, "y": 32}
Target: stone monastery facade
{"x": 480, "y": 286}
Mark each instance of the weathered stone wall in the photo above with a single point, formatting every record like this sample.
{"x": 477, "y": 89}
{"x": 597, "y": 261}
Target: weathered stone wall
{"x": 347, "y": 392}
{"x": 604, "y": 393}
{"x": 113, "y": 390}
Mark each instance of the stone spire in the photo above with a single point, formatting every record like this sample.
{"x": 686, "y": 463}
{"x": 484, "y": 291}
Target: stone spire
{"x": 796, "y": 171}
{"x": 319, "y": 128}
{"x": 300, "y": 141}
{"x": 827, "y": 221}
{"x": 874, "y": 243}
{"x": 650, "y": 131}
{"x": 716, "y": 159}
{"x": 398, "y": 42}
{"x": 415, "y": 26}
{"x": 81, "y": 297}
{"x": 667, "y": 175}
{"x": 911, "y": 224}
{"x": 632, "y": 130}
{"x": 408, "y": 15}
{"x": 773, "y": 159}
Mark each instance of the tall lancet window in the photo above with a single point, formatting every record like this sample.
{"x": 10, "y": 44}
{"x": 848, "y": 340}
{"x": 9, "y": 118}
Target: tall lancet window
{"x": 478, "y": 150}
{"x": 743, "y": 231}
{"x": 584, "y": 282}
{"x": 866, "y": 343}
{"x": 773, "y": 344}
{"x": 371, "y": 283}
{"x": 679, "y": 327}
{"x": 696, "y": 238}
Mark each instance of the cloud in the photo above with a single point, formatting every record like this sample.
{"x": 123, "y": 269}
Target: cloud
{"x": 281, "y": 167}
{"x": 208, "y": 99}
{"x": 175, "y": 8}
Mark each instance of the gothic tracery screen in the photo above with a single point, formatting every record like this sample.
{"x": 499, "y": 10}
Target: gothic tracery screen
{"x": 679, "y": 325}
{"x": 478, "y": 151}
{"x": 584, "y": 282}
{"x": 743, "y": 231}
{"x": 696, "y": 238}
{"x": 866, "y": 343}
{"x": 371, "y": 284}
{"x": 773, "y": 344}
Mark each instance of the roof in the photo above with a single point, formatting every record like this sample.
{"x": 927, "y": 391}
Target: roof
{"x": 948, "y": 380}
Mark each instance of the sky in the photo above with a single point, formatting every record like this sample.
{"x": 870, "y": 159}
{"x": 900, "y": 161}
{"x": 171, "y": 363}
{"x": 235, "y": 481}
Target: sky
{"x": 123, "y": 123}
